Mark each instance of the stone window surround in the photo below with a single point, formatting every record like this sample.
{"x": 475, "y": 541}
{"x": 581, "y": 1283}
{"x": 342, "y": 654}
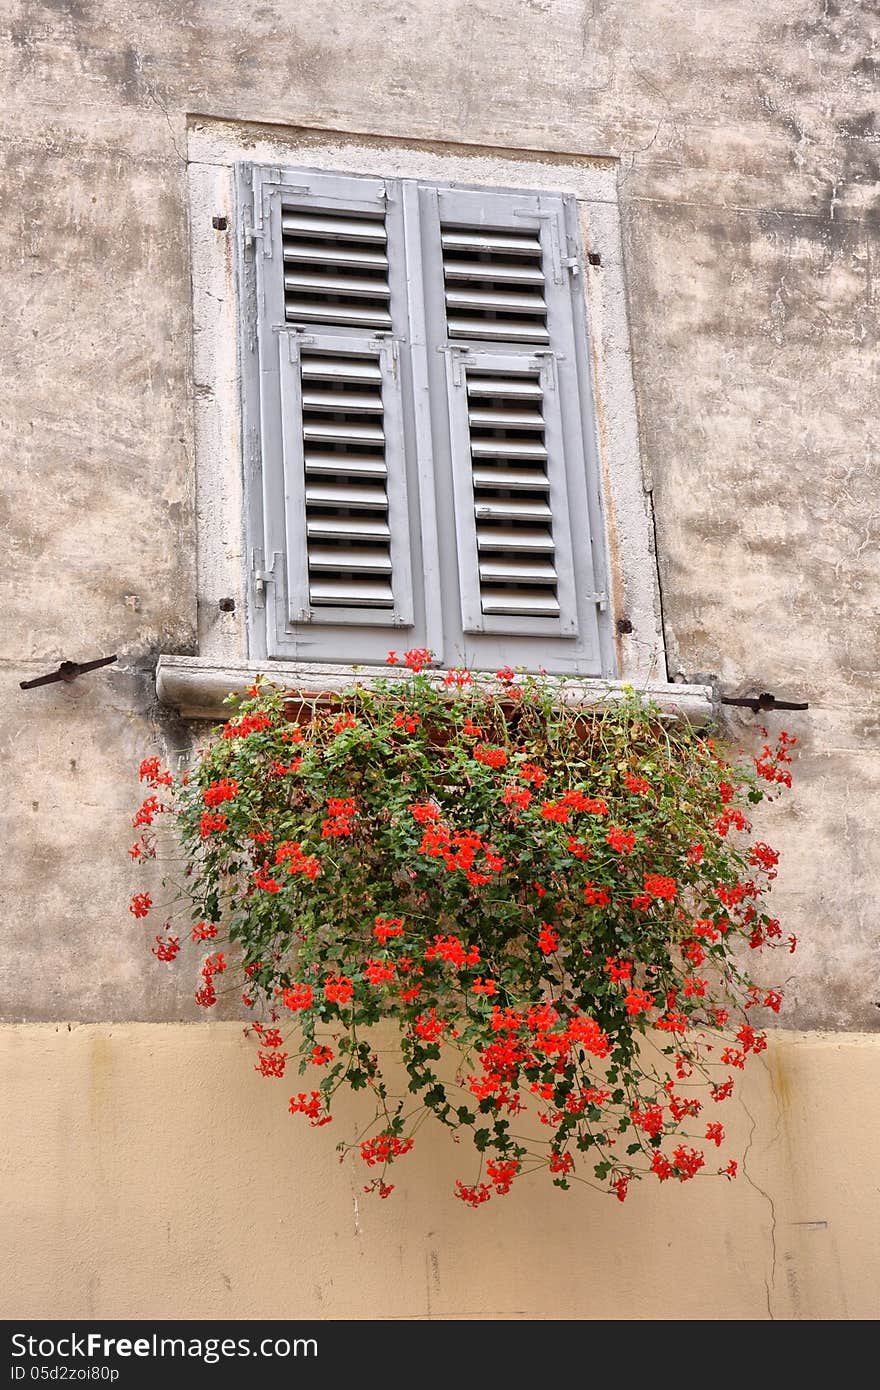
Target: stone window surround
{"x": 195, "y": 685}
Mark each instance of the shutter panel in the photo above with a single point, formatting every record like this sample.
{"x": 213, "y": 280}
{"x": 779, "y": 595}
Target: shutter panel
{"x": 511, "y": 497}
{"x": 335, "y": 269}
{"x": 345, "y": 489}
{"x": 494, "y": 285}
{"x": 504, "y": 320}
{"x": 339, "y": 511}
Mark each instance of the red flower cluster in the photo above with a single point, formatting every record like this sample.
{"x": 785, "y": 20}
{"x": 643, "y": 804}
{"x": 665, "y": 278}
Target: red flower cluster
{"x": 530, "y": 772}
{"x": 501, "y": 1173}
{"x": 147, "y": 812}
{"x": 657, "y": 886}
{"x": 452, "y": 950}
{"x": 492, "y": 757}
{"x": 408, "y": 722}
{"x": 296, "y": 997}
{"x": 458, "y": 849}
{"x": 548, "y": 939}
{"x": 773, "y": 763}
{"x": 167, "y": 948}
{"x": 245, "y": 726}
{"x": 210, "y": 823}
{"x": 637, "y": 785}
{"x": 384, "y": 1149}
{"x": 596, "y": 896}
{"x": 290, "y": 854}
{"x": 340, "y": 819}
{"x": 206, "y": 996}
{"x": 204, "y": 931}
{"x": 338, "y": 989}
{"x": 222, "y": 790}
{"x": 473, "y": 1196}
{"x": 387, "y": 927}
{"x": 638, "y": 1001}
{"x": 271, "y": 1063}
{"x": 152, "y": 772}
{"x": 310, "y": 1105}
{"x": 623, "y": 841}
{"x": 264, "y": 881}
{"x": 378, "y": 972}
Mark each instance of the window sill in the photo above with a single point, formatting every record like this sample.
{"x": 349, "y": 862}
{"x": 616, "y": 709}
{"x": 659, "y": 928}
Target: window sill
{"x": 196, "y": 686}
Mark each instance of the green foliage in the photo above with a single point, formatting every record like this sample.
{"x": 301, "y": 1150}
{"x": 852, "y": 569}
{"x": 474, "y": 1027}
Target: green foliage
{"x": 554, "y": 898}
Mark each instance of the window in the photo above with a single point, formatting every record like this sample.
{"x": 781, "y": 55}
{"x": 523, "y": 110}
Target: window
{"x": 420, "y": 455}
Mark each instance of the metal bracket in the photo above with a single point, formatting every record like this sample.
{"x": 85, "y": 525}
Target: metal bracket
{"x": 262, "y": 576}
{"x": 459, "y": 356}
{"x": 551, "y": 218}
{"x": 296, "y": 339}
{"x": 764, "y": 701}
{"x": 545, "y": 361}
{"x": 251, "y": 236}
{"x": 600, "y": 600}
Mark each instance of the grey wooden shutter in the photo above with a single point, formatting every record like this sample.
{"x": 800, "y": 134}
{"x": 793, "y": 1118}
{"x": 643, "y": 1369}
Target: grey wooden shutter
{"x": 503, "y": 312}
{"x": 337, "y": 516}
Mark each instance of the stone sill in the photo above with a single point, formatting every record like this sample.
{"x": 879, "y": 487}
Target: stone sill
{"x": 196, "y": 686}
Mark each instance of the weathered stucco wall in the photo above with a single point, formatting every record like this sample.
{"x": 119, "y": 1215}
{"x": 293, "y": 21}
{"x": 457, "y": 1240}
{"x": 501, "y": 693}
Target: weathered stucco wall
{"x": 747, "y": 165}
{"x": 150, "y": 1175}
{"x": 748, "y": 176}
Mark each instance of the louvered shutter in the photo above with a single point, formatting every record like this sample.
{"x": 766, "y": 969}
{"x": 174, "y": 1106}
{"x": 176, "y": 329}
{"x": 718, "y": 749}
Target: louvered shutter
{"x": 419, "y": 466}
{"x": 503, "y": 315}
{"x": 339, "y": 502}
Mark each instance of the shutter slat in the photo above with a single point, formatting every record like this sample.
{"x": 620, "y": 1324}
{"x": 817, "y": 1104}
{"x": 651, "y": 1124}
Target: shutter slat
{"x": 524, "y": 479}
{"x": 368, "y": 560}
{"x": 342, "y": 432}
{"x": 302, "y": 222}
{"x": 346, "y": 315}
{"x": 478, "y": 239}
{"x": 535, "y": 603}
{"x": 358, "y": 401}
{"x": 483, "y": 446}
{"x": 358, "y": 257}
{"x": 358, "y": 465}
{"x": 351, "y": 593}
{"x": 340, "y": 369}
{"x": 353, "y": 528}
{"x": 502, "y": 301}
{"x": 353, "y": 494}
{"x": 507, "y": 273}
{"x": 496, "y": 330}
{"x": 511, "y": 509}
{"x": 357, "y": 285}
{"x": 518, "y": 571}
{"x": 520, "y": 538}
{"x": 505, "y": 418}
{"x": 525, "y": 389}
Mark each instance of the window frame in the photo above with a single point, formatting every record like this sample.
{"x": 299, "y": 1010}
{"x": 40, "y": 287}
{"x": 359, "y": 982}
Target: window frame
{"x": 222, "y": 443}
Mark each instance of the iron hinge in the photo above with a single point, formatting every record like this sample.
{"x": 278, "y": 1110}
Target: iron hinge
{"x": 261, "y": 576}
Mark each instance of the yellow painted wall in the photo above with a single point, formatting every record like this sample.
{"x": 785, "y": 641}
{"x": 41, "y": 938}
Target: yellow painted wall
{"x": 148, "y": 1171}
